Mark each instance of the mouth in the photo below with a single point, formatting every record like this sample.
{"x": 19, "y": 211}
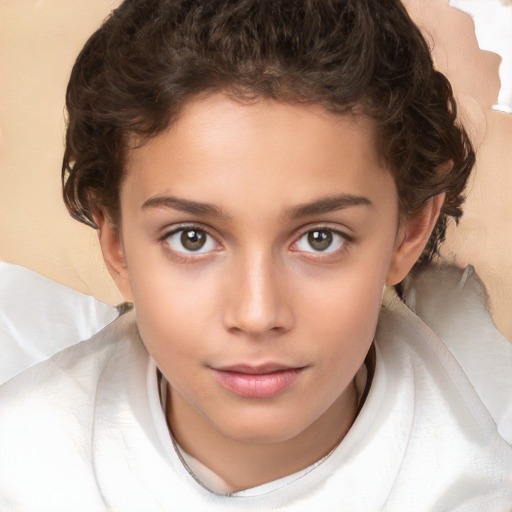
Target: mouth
{"x": 263, "y": 381}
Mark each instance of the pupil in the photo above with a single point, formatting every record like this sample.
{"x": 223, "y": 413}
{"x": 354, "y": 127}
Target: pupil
{"x": 193, "y": 240}
{"x": 320, "y": 240}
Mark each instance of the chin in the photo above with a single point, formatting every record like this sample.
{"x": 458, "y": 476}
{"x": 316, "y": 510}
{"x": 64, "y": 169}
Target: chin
{"x": 262, "y": 428}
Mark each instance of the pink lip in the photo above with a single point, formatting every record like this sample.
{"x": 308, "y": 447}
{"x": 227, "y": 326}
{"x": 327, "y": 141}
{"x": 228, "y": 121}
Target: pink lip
{"x": 257, "y": 381}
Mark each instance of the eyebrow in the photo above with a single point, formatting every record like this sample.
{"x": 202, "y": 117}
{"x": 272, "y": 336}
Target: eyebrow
{"x": 328, "y": 204}
{"x": 317, "y": 207}
{"x": 184, "y": 205}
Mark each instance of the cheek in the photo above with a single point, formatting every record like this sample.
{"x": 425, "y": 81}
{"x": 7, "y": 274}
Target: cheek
{"x": 342, "y": 310}
{"x": 174, "y": 307}
{"x": 349, "y": 318}
{"x": 352, "y": 291}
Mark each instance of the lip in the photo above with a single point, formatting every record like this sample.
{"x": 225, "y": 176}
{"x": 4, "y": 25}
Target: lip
{"x": 262, "y": 381}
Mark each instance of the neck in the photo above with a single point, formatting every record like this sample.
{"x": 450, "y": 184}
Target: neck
{"x": 244, "y": 464}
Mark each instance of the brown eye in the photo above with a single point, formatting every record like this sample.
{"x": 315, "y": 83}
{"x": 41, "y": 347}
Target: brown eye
{"x": 320, "y": 240}
{"x": 190, "y": 241}
{"x": 193, "y": 240}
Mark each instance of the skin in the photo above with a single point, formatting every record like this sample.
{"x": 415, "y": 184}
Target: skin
{"x": 260, "y": 291}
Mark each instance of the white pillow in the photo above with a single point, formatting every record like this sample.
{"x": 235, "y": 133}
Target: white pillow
{"x": 453, "y": 302}
{"x": 39, "y": 317}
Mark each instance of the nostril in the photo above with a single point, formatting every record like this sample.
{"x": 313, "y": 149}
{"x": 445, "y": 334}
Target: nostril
{"x": 255, "y": 320}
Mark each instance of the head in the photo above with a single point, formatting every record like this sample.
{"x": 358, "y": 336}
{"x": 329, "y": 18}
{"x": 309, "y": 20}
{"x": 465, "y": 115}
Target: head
{"x": 269, "y": 163}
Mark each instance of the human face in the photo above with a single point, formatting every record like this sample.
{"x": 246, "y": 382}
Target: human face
{"x": 257, "y": 241}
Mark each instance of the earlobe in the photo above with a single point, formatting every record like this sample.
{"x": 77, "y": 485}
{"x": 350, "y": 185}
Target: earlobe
{"x": 113, "y": 253}
{"x": 412, "y": 238}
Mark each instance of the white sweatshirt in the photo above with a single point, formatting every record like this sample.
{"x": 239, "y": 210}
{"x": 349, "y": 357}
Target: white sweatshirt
{"x": 85, "y": 431}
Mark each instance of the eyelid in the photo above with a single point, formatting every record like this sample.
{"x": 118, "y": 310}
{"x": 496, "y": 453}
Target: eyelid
{"x": 323, "y": 226}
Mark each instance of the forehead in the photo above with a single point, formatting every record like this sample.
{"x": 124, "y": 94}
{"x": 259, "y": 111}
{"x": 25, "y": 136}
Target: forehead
{"x": 220, "y": 149}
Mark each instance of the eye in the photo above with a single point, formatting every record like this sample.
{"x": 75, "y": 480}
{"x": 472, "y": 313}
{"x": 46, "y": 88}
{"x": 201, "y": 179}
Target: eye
{"x": 190, "y": 240}
{"x": 320, "y": 240}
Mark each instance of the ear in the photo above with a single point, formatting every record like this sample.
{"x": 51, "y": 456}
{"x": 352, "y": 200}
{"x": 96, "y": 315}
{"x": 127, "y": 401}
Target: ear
{"x": 412, "y": 237}
{"x": 113, "y": 253}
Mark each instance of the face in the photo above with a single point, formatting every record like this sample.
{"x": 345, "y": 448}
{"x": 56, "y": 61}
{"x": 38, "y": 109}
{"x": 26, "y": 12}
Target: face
{"x": 256, "y": 242}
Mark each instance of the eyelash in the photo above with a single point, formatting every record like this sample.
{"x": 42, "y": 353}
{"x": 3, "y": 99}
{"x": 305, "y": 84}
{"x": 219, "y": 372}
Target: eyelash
{"x": 185, "y": 256}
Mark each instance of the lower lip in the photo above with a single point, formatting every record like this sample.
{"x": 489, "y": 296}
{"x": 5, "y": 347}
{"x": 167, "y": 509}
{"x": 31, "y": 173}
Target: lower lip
{"x": 258, "y": 386}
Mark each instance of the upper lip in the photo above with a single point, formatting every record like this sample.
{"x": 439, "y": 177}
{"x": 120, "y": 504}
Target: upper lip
{"x": 261, "y": 369}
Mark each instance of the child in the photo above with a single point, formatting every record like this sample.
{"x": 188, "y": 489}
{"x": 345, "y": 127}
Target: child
{"x": 257, "y": 172}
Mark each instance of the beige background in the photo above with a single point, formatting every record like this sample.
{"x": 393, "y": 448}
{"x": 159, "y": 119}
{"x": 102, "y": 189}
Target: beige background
{"x": 39, "y": 40}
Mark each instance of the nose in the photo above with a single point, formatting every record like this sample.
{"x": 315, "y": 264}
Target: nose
{"x": 258, "y": 303}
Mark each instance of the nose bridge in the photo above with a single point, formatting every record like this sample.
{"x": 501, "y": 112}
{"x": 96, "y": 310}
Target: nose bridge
{"x": 258, "y": 301}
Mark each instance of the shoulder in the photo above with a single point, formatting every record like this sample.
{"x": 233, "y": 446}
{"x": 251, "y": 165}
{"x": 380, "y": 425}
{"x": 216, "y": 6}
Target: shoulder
{"x": 49, "y": 410}
{"x": 431, "y": 403}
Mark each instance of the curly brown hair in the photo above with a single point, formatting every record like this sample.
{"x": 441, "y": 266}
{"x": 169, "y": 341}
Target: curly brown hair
{"x": 150, "y": 57}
